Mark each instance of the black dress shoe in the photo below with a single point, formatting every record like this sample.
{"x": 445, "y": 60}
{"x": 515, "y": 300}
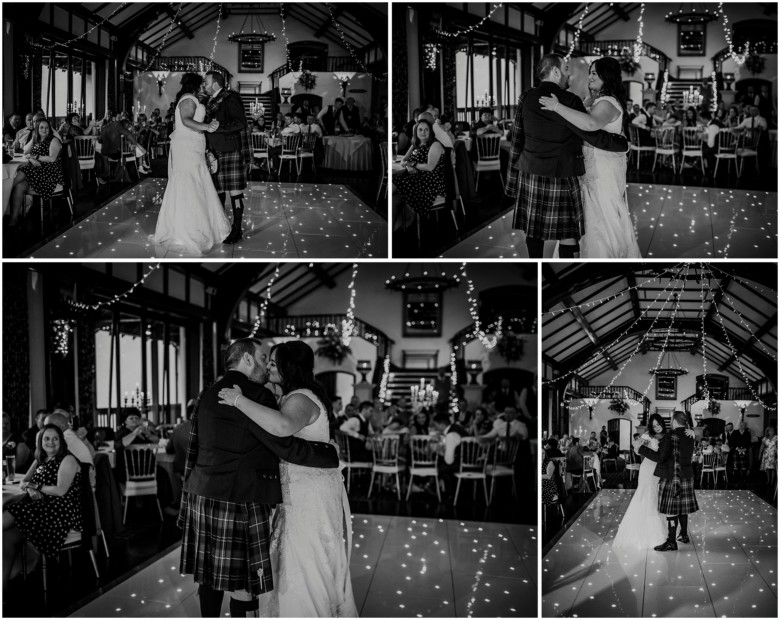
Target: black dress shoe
{"x": 683, "y": 538}
{"x": 669, "y": 545}
{"x": 234, "y": 237}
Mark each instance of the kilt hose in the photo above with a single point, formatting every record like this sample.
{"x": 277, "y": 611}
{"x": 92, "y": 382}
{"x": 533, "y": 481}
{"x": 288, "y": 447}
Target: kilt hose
{"x": 549, "y": 208}
{"x": 231, "y": 172}
{"x": 225, "y": 545}
{"x": 683, "y": 503}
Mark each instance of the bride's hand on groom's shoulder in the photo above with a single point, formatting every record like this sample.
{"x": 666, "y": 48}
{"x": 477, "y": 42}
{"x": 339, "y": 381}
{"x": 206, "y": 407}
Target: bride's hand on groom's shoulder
{"x": 229, "y": 396}
{"x": 549, "y": 103}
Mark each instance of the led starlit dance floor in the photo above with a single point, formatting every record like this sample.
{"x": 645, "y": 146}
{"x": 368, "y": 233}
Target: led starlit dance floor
{"x": 728, "y": 570}
{"x": 670, "y": 222}
{"x": 281, "y": 220}
{"x": 401, "y": 567}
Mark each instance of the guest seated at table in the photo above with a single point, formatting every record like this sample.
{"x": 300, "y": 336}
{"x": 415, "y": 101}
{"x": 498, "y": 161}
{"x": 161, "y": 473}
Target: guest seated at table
{"x": 753, "y": 120}
{"x": 448, "y": 462}
{"x": 303, "y": 108}
{"x": 486, "y": 124}
{"x": 111, "y": 141}
{"x": 507, "y": 425}
{"x": 309, "y": 125}
{"x": 396, "y": 426}
{"x": 24, "y": 134}
{"x": 290, "y": 127}
{"x": 732, "y": 119}
{"x": 71, "y": 127}
{"x": 50, "y": 506}
{"x": 574, "y": 457}
{"x": 671, "y": 120}
{"x": 422, "y": 178}
{"x": 689, "y": 118}
{"x": 646, "y": 121}
{"x": 481, "y": 424}
{"x": 14, "y": 445}
{"x": 82, "y": 450}
{"x": 30, "y": 436}
{"x": 132, "y": 432}
{"x": 612, "y": 450}
{"x": 709, "y": 145}
{"x": 11, "y": 127}
{"x": 350, "y": 117}
{"x": 42, "y": 173}
{"x": 330, "y": 116}
{"x": 420, "y": 423}
{"x": 551, "y": 448}
{"x": 359, "y": 429}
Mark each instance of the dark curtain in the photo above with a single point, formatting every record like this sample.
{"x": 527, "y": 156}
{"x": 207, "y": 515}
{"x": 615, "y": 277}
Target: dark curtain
{"x": 328, "y": 381}
{"x": 16, "y": 347}
{"x": 111, "y": 88}
{"x": 449, "y": 103}
{"x": 400, "y": 87}
{"x": 85, "y": 332}
{"x": 209, "y": 373}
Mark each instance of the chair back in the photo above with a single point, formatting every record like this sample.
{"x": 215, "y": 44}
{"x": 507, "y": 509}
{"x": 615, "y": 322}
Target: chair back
{"x": 722, "y": 459}
{"x": 664, "y": 137}
{"x": 290, "y": 143}
{"x": 385, "y": 449}
{"x": 141, "y": 461}
{"x": 128, "y": 149}
{"x": 633, "y": 135}
{"x": 750, "y": 138}
{"x": 505, "y": 451}
{"x": 708, "y": 460}
{"x": 84, "y": 147}
{"x": 691, "y": 140}
{"x": 488, "y": 147}
{"x": 308, "y": 140}
{"x": 473, "y": 454}
{"x": 383, "y": 156}
{"x": 342, "y": 439}
{"x": 259, "y": 143}
{"x": 423, "y": 450}
{"x": 727, "y": 141}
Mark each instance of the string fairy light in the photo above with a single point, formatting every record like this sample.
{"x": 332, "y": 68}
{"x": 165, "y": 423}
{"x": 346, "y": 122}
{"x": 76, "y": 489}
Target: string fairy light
{"x": 348, "y": 324}
{"x": 216, "y": 34}
{"x": 664, "y": 87}
{"x": 351, "y": 50}
{"x": 737, "y": 58}
{"x": 639, "y": 45}
{"x": 453, "y": 387}
{"x": 577, "y": 33}
{"x": 769, "y": 293}
{"x": 486, "y": 341}
{"x": 101, "y": 304}
{"x": 81, "y": 36}
{"x": 714, "y": 96}
{"x": 264, "y": 306}
{"x": 284, "y": 35}
{"x": 174, "y": 20}
{"x": 384, "y": 379}
{"x": 62, "y": 329}
{"x": 703, "y": 297}
{"x": 459, "y": 33}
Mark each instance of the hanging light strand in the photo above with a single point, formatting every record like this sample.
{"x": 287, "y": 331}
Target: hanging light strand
{"x": 459, "y": 33}
{"x": 577, "y": 33}
{"x": 453, "y": 387}
{"x": 769, "y": 293}
{"x": 264, "y": 306}
{"x": 384, "y": 379}
{"x": 348, "y": 324}
{"x": 284, "y": 35}
{"x": 639, "y": 45}
{"x": 606, "y": 348}
{"x": 703, "y": 314}
{"x": 737, "y": 58}
{"x": 714, "y": 94}
{"x": 81, "y": 36}
{"x": 216, "y": 34}
{"x": 105, "y": 304}
{"x": 487, "y": 342}
{"x": 351, "y": 50}
{"x": 174, "y": 20}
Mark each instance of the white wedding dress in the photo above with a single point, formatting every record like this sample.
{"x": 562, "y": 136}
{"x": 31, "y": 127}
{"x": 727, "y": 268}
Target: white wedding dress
{"x": 642, "y": 526}
{"x": 192, "y": 220}
{"x": 609, "y": 231}
{"x": 311, "y": 540}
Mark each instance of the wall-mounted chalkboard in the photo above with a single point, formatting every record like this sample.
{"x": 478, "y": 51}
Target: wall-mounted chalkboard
{"x": 665, "y": 388}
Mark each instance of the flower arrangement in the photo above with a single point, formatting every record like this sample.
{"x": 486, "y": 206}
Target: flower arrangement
{"x": 331, "y": 346}
{"x": 627, "y": 61}
{"x": 713, "y": 406}
{"x": 307, "y": 80}
{"x": 510, "y": 346}
{"x": 618, "y": 405}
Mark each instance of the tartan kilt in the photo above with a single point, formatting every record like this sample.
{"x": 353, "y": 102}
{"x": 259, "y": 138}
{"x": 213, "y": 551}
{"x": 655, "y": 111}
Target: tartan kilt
{"x": 549, "y": 208}
{"x": 740, "y": 461}
{"x": 225, "y": 545}
{"x": 683, "y": 504}
{"x": 231, "y": 172}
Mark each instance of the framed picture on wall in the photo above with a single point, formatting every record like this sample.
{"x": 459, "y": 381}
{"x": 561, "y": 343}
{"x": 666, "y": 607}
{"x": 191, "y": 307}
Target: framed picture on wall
{"x": 665, "y": 388}
{"x": 422, "y": 313}
{"x": 251, "y": 57}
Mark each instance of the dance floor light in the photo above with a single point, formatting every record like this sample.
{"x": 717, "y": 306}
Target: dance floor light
{"x": 281, "y": 220}
{"x": 728, "y": 570}
{"x": 670, "y": 222}
{"x": 400, "y": 567}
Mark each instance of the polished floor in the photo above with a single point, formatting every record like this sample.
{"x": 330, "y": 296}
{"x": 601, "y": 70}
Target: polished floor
{"x": 282, "y": 220}
{"x": 401, "y": 567}
{"x": 728, "y": 570}
{"x": 670, "y": 222}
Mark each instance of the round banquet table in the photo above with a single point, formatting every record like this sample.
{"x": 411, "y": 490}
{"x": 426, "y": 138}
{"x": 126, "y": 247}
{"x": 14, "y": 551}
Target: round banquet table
{"x": 9, "y": 172}
{"x": 347, "y": 152}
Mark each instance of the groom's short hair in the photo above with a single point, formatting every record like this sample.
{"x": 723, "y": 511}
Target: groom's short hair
{"x": 217, "y": 77}
{"x": 547, "y": 64}
{"x": 236, "y": 351}
{"x": 681, "y": 418}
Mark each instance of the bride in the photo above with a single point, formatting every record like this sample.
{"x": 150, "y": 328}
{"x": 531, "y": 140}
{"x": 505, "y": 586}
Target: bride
{"x": 609, "y": 231}
{"x": 192, "y": 219}
{"x": 309, "y": 559}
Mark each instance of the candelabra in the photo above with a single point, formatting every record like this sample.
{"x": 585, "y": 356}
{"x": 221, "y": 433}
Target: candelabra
{"x": 423, "y": 395}
{"x": 487, "y": 101}
{"x": 74, "y": 108}
{"x": 256, "y": 109}
{"x": 138, "y": 399}
{"x": 691, "y": 97}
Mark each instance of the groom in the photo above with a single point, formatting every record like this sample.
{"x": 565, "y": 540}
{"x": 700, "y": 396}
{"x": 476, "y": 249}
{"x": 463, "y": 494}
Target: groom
{"x": 546, "y": 161}
{"x": 676, "y": 498}
{"x": 231, "y": 146}
{"x": 231, "y": 482}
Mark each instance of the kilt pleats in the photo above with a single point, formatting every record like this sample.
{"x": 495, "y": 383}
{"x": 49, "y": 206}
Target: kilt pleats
{"x": 549, "y": 208}
{"x": 231, "y": 172}
{"x": 671, "y": 503}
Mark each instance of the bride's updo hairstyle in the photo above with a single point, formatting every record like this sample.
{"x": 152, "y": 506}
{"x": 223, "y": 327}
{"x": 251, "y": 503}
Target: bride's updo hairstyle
{"x": 608, "y": 69}
{"x": 190, "y": 85}
{"x": 656, "y": 417}
{"x": 295, "y": 362}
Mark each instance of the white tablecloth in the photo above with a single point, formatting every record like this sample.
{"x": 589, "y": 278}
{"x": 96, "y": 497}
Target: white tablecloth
{"x": 347, "y": 153}
{"x": 9, "y": 172}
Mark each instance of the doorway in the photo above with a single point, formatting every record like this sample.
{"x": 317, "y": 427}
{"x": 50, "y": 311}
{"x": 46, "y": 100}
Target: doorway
{"x": 619, "y": 431}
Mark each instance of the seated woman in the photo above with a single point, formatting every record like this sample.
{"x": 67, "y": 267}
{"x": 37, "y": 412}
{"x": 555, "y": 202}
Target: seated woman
{"x": 422, "y": 177}
{"x": 481, "y": 424}
{"x": 43, "y": 172}
{"x": 50, "y": 507}
{"x": 420, "y": 424}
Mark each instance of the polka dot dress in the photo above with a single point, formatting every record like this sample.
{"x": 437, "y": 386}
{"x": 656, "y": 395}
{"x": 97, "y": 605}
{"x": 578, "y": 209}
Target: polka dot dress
{"x": 44, "y": 178}
{"x": 46, "y": 522}
{"x": 421, "y": 188}
{"x": 549, "y": 492}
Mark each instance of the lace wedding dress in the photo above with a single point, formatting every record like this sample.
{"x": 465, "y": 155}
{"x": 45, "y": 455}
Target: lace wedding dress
{"x": 609, "y": 231}
{"x": 309, "y": 555}
{"x": 192, "y": 220}
{"x": 642, "y": 526}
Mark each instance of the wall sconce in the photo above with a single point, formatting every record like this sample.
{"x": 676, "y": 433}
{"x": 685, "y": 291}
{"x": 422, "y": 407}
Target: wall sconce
{"x": 649, "y": 78}
{"x": 160, "y": 76}
{"x": 343, "y": 78}
{"x": 286, "y": 92}
{"x": 591, "y": 403}
{"x": 363, "y": 367}
{"x": 473, "y": 367}
{"x": 742, "y": 405}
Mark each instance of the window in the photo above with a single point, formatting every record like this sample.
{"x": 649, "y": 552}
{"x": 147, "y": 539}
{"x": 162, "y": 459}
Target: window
{"x": 692, "y": 39}
{"x": 251, "y": 57}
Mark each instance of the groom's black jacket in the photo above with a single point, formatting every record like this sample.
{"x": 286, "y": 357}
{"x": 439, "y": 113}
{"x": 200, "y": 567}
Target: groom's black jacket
{"x": 228, "y": 108}
{"x": 553, "y": 146}
{"x": 664, "y": 458}
{"x": 232, "y": 459}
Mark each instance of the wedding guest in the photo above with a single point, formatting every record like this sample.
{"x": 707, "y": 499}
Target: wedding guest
{"x": 50, "y": 507}
{"x": 753, "y": 120}
{"x": 486, "y": 124}
{"x": 689, "y": 118}
{"x": 13, "y": 445}
{"x": 448, "y": 462}
{"x": 82, "y": 450}
{"x": 71, "y": 127}
{"x": 24, "y": 134}
{"x": 330, "y": 116}
{"x": 631, "y": 110}
{"x": 42, "y": 173}
{"x": 507, "y": 425}
{"x": 768, "y": 455}
{"x": 603, "y": 436}
{"x": 463, "y": 417}
{"x": 646, "y": 121}
{"x": 709, "y": 145}
{"x": 350, "y": 117}
{"x": 732, "y": 119}
{"x": 574, "y": 457}
{"x": 420, "y": 424}
{"x": 111, "y": 140}
{"x": 551, "y": 448}
{"x": 358, "y": 427}
{"x": 11, "y": 127}
{"x": 132, "y": 432}
{"x": 303, "y": 108}
{"x": 505, "y": 396}
{"x": 31, "y": 434}
{"x": 766, "y": 105}
{"x": 310, "y": 125}
{"x": 290, "y": 127}
{"x": 480, "y": 423}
